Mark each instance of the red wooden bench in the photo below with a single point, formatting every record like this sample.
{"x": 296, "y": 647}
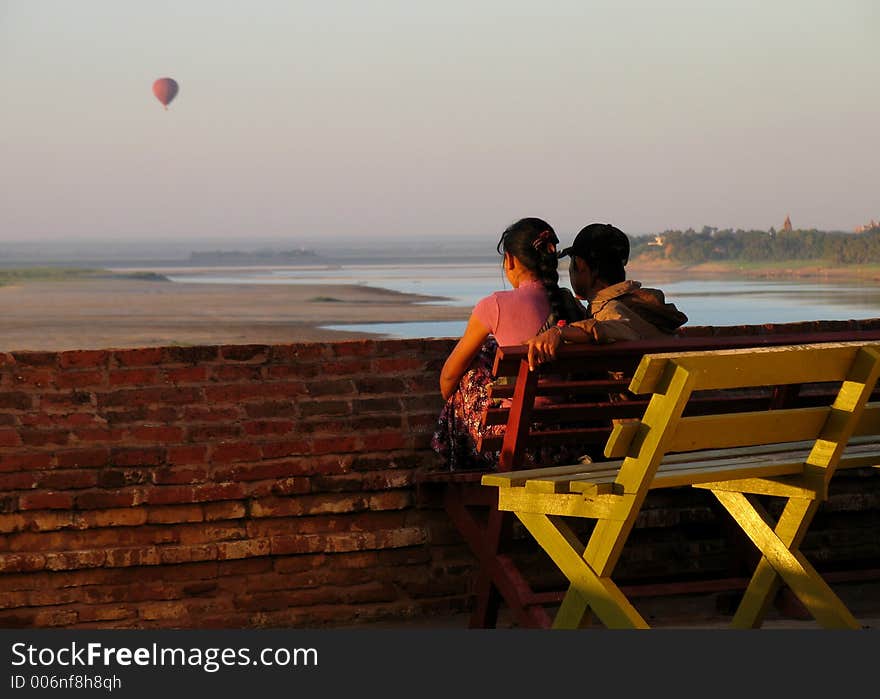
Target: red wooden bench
{"x": 587, "y": 386}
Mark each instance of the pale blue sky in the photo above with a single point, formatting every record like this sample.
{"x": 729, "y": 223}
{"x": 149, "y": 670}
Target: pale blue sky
{"x": 308, "y": 119}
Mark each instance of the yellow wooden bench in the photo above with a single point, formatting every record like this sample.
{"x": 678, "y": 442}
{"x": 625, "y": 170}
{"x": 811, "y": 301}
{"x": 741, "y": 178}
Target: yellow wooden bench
{"x": 739, "y": 456}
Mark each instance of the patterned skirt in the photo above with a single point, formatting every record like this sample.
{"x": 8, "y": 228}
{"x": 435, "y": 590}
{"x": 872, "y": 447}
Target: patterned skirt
{"x": 459, "y": 430}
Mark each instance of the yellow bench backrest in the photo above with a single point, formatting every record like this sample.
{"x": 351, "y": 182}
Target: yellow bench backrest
{"x": 672, "y": 379}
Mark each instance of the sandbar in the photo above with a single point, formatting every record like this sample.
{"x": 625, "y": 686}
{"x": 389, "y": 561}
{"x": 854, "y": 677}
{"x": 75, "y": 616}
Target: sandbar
{"x": 105, "y": 313}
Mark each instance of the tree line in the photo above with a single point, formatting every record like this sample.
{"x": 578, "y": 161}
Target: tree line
{"x": 719, "y": 245}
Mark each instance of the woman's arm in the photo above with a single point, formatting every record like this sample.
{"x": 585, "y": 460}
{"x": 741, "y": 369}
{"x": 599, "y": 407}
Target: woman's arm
{"x": 462, "y": 355}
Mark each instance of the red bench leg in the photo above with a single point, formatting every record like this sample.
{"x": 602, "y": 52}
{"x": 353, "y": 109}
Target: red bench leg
{"x": 499, "y": 578}
{"x": 488, "y": 598}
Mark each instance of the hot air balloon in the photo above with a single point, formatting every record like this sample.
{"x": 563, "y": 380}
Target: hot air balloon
{"x": 165, "y": 90}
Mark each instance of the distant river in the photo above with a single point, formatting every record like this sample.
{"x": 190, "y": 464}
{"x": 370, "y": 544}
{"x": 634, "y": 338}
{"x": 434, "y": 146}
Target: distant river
{"x": 706, "y": 301}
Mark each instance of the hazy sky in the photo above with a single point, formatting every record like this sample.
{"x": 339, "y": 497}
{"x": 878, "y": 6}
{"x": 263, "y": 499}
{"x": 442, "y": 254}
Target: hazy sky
{"x": 326, "y": 118}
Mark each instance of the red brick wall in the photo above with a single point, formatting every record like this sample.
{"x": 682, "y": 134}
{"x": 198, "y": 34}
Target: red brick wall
{"x": 208, "y": 486}
{"x": 230, "y": 486}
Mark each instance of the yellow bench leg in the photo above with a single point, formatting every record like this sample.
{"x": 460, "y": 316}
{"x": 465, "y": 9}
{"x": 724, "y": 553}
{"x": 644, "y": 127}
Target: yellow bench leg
{"x": 787, "y": 562}
{"x": 765, "y": 582}
{"x": 587, "y": 588}
{"x": 574, "y": 612}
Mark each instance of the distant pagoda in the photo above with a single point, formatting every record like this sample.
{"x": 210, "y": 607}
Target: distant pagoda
{"x": 786, "y": 226}
{"x": 870, "y": 226}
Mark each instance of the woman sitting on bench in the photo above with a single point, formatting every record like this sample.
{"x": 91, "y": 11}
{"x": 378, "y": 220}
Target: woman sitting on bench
{"x": 535, "y": 303}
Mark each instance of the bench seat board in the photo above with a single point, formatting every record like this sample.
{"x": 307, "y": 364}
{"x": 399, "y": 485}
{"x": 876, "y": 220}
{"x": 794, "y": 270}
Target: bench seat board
{"x": 786, "y": 458}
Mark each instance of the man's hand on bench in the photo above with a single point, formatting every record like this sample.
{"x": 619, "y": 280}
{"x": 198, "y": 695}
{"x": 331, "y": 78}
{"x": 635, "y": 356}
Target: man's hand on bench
{"x": 542, "y": 348}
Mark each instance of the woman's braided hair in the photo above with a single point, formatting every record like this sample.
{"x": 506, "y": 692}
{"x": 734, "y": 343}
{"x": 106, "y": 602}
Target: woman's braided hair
{"x": 533, "y": 242}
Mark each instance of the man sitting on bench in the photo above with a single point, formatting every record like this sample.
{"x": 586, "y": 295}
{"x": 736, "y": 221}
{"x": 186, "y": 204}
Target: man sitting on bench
{"x": 620, "y": 309}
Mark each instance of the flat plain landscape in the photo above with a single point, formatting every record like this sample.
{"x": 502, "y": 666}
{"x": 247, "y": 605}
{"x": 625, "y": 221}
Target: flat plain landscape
{"x": 135, "y": 307}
